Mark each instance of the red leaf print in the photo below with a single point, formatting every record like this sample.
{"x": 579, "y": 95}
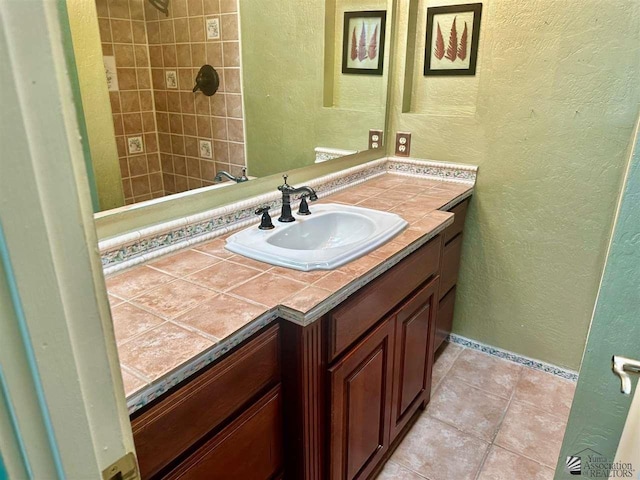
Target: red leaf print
{"x": 362, "y": 44}
{"x": 452, "y": 49}
{"x": 462, "y": 49}
{"x": 373, "y": 44}
{"x": 354, "y": 46}
{"x": 438, "y": 52}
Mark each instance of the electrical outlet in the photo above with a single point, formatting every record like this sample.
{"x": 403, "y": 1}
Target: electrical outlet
{"x": 403, "y": 144}
{"x": 375, "y": 139}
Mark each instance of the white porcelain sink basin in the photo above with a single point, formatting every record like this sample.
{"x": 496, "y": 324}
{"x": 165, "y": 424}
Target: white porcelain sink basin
{"x": 331, "y": 236}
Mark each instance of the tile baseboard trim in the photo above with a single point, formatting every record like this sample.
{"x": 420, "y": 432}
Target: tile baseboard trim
{"x": 133, "y": 248}
{"x": 513, "y": 357}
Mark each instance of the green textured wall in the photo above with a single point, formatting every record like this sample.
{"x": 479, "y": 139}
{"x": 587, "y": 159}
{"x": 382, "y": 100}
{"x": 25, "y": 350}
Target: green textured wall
{"x": 548, "y": 119}
{"x": 94, "y": 98}
{"x": 285, "y": 88}
{"x": 599, "y": 410}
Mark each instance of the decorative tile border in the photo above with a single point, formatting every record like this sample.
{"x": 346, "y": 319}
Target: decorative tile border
{"x": 323, "y": 154}
{"x": 452, "y": 172}
{"x": 147, "y": 393}
{"x": 514, "y": 357}
{"x": 128, "y": 250}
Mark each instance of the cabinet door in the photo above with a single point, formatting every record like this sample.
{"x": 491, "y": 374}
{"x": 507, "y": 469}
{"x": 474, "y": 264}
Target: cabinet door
{"x": 360, "y": 405}
{"x": 414, "y": 345}
{"x": 250, "y": 448}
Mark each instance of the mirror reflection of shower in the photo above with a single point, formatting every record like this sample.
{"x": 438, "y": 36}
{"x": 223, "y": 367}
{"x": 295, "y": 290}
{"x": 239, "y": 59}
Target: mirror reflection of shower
{"x": 164, "y": 62}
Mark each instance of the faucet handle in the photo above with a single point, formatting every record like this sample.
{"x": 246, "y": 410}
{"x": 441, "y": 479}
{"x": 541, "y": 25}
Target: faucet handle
{"x": 304, "y": 206}
{"x": 265, "y": 221}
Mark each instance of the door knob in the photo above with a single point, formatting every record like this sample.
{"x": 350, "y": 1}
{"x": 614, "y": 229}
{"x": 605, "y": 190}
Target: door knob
{"x": 621, "y": 366}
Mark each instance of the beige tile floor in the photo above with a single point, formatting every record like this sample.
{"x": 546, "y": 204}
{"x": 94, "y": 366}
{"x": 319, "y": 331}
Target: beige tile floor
{"x": 488, "y": 419}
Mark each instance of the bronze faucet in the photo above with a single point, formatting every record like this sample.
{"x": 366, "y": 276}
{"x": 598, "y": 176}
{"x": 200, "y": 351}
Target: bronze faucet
{"x": 287, "y": 190}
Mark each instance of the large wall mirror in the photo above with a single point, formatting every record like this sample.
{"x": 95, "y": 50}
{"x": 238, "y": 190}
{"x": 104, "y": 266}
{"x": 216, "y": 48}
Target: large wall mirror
{"x": 282, "y": 101}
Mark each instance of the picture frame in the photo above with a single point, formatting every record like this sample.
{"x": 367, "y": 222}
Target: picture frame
{"x": 363, "y": 42}
{"x": 452, "y": 38}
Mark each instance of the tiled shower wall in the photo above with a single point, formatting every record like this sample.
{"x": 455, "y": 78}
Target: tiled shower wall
{"x": 195, "y": 135}
{"x": 123, "y": 35}
{"x": 178, "y": 43}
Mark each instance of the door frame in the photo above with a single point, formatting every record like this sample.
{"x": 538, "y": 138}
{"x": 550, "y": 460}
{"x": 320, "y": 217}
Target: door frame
{"x": 63, "y": 413}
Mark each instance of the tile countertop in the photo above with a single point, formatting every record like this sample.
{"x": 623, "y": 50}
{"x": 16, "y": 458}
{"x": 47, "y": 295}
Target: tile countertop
{"x": 171, "y": 311}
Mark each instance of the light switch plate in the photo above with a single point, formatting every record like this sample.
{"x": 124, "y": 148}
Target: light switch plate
{"x": 375, "y": 139}
{"x": 403, "y": 144}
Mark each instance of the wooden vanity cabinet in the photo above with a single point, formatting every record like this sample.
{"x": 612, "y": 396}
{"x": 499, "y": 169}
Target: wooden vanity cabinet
{"x": 378, "y": 380}
{"x": 356, "y": 379}
{"x": 450, "y": 265}
{"x": 235, "y": 404}
{"x": 379, "y": 384}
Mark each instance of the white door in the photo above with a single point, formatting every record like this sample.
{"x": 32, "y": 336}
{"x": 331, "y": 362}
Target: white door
{"x": 62, "y": 404}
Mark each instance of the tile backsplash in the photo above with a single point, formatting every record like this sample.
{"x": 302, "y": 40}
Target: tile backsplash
{"x": 170, "y": 139}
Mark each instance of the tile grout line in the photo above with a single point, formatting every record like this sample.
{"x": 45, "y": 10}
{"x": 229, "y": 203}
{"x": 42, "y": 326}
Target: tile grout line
{"x": 447, "y": 370}
{"x": 499, "y": 425}
{"x": 544, "y": 465}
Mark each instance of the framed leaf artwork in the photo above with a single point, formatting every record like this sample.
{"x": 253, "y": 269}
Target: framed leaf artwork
{"x": 363, "y": 42}
{"x": 453, "y": 32}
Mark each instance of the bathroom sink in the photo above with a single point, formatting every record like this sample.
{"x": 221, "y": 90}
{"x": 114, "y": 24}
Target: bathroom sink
{"x": 331, "y": 236}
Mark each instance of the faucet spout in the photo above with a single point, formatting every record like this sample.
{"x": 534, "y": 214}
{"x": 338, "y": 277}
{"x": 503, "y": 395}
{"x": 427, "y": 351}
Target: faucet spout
{"x": 310, "y": 191}
{"x": 287, "y": 190}
{"x": 223, "y": 173}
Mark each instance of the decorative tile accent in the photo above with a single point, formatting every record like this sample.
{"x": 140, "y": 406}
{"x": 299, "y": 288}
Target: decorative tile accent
{"x": 434, "y": 170}
{"x": 212, "y": 26}
{"x": 514, "y": 357}
{"x": 135, "y": 145}
{"x": 205, "y": 149}
{"x": 323, "y": 154}
{"x": 111, "y": 72}
{"x": 171, "y": 79}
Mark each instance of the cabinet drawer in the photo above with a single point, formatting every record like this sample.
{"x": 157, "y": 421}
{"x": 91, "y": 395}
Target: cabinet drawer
{"x": 363, "y": 309}
{"x": 460, "y": 213}
{"x": 414, "y": 330}
{"x": 450, "y": 265}
{"x": 445, "y": 317}
{"x": 174, "y": 424}
{"x": 250, "y": 448}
